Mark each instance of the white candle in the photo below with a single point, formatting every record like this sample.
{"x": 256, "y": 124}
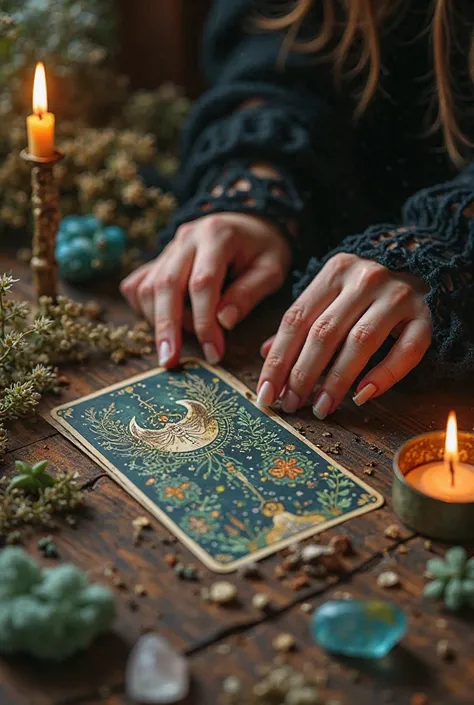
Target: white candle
{"x": 448, "y": 480}
{"x": 40, "y": 125}
{"x": 434, "y": 480}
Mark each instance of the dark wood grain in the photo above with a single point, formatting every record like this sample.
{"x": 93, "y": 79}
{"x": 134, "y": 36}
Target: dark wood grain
{"x": 104, "y": 538}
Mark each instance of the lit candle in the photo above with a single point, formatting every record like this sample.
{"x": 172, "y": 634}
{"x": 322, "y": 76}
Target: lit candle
{"x": 40, "y": 125}
{"x": 448, "y": 480}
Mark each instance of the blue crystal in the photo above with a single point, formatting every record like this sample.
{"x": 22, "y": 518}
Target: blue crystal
{"x": 359, "y": 628}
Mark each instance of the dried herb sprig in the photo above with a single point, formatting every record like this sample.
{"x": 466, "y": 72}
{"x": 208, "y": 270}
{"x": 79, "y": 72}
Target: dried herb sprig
{"x": 18, "y": 508}
{"x": 62, "y": 332}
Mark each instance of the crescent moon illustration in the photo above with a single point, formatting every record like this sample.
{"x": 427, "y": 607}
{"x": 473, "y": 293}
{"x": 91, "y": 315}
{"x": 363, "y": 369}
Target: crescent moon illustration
{"x": 196, "y": 430}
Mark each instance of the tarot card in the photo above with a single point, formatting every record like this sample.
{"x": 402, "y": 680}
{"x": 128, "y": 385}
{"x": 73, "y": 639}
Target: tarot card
{"x": 232, "y": 482}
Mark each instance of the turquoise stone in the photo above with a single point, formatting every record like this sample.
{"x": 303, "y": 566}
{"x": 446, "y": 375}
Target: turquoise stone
{"x": 359, "y": 628}
{"x": 75, "y": 259}
{"x": 110, "y": 241}
{"x": 87, "y": 249}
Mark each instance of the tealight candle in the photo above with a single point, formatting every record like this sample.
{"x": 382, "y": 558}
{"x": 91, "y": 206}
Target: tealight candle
{"x": 448, "y": 479}
{"x": 433, "y": 483}
{"x": 40, "y": 125}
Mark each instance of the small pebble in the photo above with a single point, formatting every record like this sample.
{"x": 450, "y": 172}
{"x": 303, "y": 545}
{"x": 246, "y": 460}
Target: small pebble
{"x": 50, "y": 551}
{"x": 279, "y": 572}
{"x": 302, "y": 696}
{"x": 341, "y": 544}
{"x": 223, "y": 649}
{"x": 313, "y": 552}
{"x": 291, "y": 563}
{"x": 190, "y": 573}
{"x": 179, "y": 570}
{"x": 284, "y": 642}
{"x": 232, "y": 685}
{"x": 44, "y": 541}
{"x": 315, "y": 571}
{"x": 171, "y": 559}
{"x": 419, "y": 699}
{"x": 369, "y": 471}
{"x": 341, "y": 595}
{"x": 222, "y": 592}
{"x": 140, "y": 590}
{"x": 327, "y": 434}
{"x": 71, "y": 521}
{"x": 261, "y": 601}
{"x": 306, "y": 607}
{"x": 402, "y": 548}
{"x": 444, "y": 650}
{"x": 141, "y": 522}
{"x": 299, "y": 582}
{"x": 392, "y": 532}
{"x": 249, "y": 571}
{"x": 428, "y": 545}
{"x": 118, "y": 582}
{"x": 109, "y": 571}
{"x": 388, "y": 579}
{"x": 442, "y": 623}
{"x": 150, "y": 481}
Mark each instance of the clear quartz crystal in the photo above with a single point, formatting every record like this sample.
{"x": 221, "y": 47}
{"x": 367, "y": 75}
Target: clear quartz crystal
{"x": 156, "y": 673}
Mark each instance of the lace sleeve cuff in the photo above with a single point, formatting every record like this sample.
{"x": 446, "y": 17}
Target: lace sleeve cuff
{"x": 235, "y": 188}
{"x": 436, "y": 243}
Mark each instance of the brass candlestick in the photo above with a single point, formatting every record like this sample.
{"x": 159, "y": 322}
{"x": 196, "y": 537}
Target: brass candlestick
{"x": 45, "y": 202}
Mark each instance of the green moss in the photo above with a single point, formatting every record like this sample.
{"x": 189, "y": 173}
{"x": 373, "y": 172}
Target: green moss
{"x": 49, "y": 613}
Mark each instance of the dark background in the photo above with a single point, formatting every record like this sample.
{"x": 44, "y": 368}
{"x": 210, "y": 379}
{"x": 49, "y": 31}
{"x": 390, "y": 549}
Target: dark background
{"x": 160, "y": 42}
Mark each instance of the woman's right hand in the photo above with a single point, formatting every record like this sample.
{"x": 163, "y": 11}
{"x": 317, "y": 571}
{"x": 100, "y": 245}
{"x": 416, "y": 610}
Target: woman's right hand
{"x": 202, "y": 253}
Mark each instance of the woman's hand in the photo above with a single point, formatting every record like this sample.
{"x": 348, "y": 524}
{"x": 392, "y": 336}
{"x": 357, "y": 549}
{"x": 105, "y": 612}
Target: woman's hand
{"x": 197, "y": 261}
{"x": 350, "y": 308}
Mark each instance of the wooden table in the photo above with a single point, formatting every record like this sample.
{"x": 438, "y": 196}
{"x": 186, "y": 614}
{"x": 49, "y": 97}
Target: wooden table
{"x": 104, "y": 537}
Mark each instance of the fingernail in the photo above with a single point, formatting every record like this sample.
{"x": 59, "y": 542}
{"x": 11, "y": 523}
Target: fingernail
{"x": 364, "y": 394}
{"x": 211, "y": 354}
{"x": 228, "y": 317}
{"x": 322, "y": 406}
{"x": 290, "y": 402}
{"x": 266, "y": 395}
{"x": 164, "y": 354}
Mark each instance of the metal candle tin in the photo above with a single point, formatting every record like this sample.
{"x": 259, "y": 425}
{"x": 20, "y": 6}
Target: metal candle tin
{"x": 448, "y": 521}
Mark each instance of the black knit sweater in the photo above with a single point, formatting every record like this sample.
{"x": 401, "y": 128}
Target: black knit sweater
{"x": 339, "y": 177}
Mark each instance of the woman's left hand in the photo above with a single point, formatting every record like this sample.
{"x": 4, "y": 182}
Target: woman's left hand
{"x": 350, "y": 308}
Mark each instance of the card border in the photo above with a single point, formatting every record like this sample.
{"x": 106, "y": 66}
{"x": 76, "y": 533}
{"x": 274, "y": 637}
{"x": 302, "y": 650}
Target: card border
{"x": 69, "y": 432}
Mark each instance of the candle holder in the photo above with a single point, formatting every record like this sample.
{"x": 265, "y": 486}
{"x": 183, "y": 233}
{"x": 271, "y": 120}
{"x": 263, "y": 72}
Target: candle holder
{"x": 45, "y": 202}
{"x": 430, "y": 516}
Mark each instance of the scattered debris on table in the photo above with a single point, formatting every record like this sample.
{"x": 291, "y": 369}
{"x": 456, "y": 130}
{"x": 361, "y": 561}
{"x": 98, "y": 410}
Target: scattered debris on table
{"x": 393, "y": 531}
{"x": 48, "y": 547}
{"x": 139, "y": 524}
{"x": 284, "y": 642}
{"x": 445, "y": 651}
{"x": 222, "y": 592}
{"x": 388, "y": 579}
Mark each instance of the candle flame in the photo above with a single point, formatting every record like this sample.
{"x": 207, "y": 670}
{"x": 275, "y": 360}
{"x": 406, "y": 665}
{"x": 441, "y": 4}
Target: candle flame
{"x": 40, "y": 96}
{"x": 451, "y": 447}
